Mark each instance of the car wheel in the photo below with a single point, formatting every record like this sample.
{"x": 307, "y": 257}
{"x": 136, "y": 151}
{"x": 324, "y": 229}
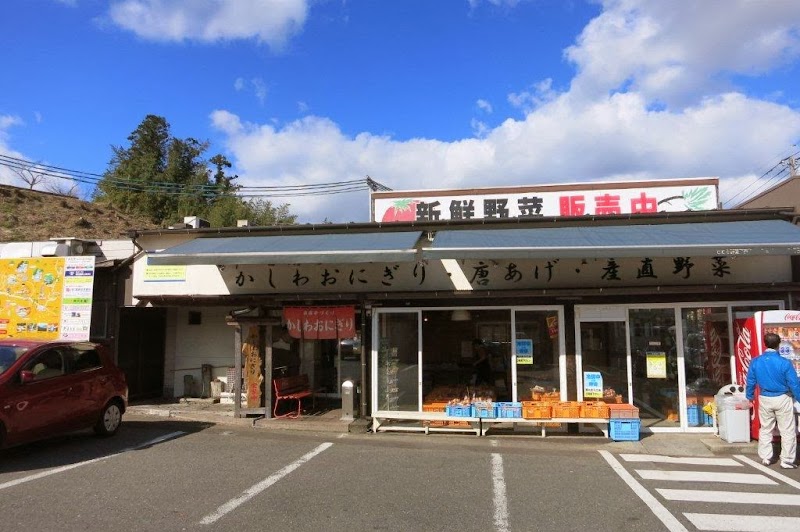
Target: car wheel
{"x": 109, "y": 421}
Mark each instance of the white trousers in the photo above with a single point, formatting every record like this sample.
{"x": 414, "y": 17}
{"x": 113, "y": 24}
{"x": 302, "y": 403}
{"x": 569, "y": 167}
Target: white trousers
{"x": 777, "y": 411}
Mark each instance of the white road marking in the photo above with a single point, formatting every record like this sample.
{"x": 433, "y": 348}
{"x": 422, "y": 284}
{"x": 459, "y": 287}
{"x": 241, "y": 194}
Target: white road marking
{"x": 61, "y": 469}
{"x": 658, "y": 509}
{"x": 494, "y": 443}
{"x": 744, "y": 523}
{"x": 261, "y": 486}
{"x": 768, "y": 471}
{"x": 680, "y": 460}
{"x": 500, "y": 500}
{"x": 734, "y": 497}
{"x": 705, "y": 476}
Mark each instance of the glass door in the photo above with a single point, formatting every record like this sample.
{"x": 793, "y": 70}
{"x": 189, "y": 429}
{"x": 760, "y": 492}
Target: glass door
{"x": 603, "y": 349}
{"x": 655, "y": 367}
{"x": 398, "y": 357}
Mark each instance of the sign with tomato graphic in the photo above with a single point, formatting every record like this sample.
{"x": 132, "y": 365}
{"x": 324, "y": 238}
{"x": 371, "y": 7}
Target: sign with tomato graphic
{"x": 590, "y": 199}
{"x": 403, "y": 210}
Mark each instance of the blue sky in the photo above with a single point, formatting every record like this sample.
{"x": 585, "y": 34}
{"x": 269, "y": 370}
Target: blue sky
{"x": 414, "y": 93}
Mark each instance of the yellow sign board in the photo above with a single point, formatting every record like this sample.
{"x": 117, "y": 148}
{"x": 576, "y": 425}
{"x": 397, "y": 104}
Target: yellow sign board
{"x": 46, "y": 298}
{"x": 656, "y": 365}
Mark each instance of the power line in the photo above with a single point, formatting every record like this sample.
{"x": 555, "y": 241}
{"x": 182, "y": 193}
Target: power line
{"x": 758, "y": 185}
{"x": 189, "y": 189}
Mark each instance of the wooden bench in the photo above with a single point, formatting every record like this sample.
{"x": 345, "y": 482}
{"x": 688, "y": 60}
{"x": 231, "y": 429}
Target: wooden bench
{"x": 294, "y": 388}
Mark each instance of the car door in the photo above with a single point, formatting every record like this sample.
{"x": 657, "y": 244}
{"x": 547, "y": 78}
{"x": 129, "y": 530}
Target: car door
{"x": 46, "y": 404}
{"x": 90, "y": 381}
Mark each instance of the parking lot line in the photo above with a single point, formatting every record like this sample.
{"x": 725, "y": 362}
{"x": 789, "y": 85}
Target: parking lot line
{"x": 500, "y": 500}
{"x": 261, "y": 486}
{"x": 61, "y": 469}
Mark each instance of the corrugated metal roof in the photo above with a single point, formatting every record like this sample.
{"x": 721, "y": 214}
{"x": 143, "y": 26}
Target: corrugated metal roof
{"x": 293, "y": 249}
{"x": 758, "y": 237}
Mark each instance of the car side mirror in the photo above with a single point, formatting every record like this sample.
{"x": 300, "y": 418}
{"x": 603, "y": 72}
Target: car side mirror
{"x": 26, "y": 376}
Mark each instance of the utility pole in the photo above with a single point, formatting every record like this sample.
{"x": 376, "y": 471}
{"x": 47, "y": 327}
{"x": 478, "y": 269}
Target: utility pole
{"x": 791, "y": 162}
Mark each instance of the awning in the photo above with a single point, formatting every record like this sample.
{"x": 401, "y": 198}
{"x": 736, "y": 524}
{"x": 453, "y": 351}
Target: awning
{"x": 760, "y": 237}
{"x": 293, "y": 249}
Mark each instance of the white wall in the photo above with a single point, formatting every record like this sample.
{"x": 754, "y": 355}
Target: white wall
{"x": 211, "y": 342}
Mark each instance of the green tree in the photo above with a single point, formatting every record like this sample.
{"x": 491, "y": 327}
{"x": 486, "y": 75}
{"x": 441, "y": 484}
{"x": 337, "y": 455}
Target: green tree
{"x": 166, "y": 178}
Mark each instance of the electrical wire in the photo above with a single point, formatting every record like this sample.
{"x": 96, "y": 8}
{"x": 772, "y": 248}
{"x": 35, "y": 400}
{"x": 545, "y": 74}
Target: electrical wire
{"x": 765, "y": 181}
{"x": 188, "y": 189}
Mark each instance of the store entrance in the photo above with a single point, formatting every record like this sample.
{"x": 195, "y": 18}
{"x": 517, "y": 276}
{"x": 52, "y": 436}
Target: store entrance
{"x": 604, "y": 350}
{"x": 634, "y": 352}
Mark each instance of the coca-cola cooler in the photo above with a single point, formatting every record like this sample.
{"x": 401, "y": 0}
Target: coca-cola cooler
{"x": 749, "y": 334}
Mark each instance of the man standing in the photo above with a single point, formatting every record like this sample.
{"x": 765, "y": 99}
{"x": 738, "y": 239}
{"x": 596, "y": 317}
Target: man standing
{"x": 777, "y": 380}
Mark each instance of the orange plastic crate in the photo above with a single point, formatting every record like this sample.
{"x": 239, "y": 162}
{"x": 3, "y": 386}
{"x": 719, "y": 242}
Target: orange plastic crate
{"x": 536, "y": 410}
{"x": 567, "y": 409}
{"x": 623, "y": 410}
{"x": 597, "y": 410}
{"x": 435, "y": 407}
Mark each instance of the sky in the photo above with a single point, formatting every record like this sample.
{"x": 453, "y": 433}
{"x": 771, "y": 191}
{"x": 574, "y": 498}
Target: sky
{"x": 415, "y": 94}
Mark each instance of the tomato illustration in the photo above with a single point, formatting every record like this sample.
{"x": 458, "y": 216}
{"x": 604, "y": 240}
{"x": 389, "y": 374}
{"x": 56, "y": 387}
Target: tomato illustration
{"x": 404, "y": 210}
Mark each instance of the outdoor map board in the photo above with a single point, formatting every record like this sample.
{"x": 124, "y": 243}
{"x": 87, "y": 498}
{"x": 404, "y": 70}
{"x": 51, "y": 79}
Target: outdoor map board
{"x": 46, "y": 298}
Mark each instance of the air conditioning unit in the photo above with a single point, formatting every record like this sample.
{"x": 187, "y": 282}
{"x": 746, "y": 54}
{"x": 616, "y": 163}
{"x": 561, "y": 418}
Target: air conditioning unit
{"x": 65, "y": 247}
{"x": 195, "y": 222}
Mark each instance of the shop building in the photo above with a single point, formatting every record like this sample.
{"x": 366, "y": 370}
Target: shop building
{"x": 649, "y": 301}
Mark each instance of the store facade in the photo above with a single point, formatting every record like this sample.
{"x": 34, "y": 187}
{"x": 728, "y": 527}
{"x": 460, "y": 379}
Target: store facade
{"x": 650, "y": 302}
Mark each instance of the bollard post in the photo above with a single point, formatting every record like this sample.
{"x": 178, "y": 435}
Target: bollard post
{"x": 348, "y": 400}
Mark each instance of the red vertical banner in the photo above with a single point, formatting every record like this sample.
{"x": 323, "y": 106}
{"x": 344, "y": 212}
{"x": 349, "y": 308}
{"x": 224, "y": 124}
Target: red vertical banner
{"x": 717, "y": 366}
{"x": 320, "y": 323}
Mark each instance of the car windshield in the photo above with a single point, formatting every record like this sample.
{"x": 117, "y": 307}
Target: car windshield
{"x": 10, "y": 354}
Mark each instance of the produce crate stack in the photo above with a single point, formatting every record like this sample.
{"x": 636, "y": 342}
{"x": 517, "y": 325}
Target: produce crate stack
{"x": 624, "y": 423}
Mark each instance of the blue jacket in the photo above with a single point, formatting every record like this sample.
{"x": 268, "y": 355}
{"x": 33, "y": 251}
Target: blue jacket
{"x": 774, "y": 374}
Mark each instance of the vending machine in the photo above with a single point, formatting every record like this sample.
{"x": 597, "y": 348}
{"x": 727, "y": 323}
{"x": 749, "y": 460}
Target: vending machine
{"x": 749, "y": 335}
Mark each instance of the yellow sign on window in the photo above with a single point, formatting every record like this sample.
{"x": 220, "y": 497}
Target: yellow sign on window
{"x": 656, "y": 365}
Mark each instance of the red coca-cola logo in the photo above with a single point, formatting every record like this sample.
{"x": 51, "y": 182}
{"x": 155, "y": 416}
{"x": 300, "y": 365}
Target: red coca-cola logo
{"x": 744, "y": 342}
{"x": 792, "y": 316}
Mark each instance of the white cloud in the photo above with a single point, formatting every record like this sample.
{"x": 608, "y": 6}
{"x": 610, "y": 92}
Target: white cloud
{"x": 539, "y": 94}
{"x": 681, "y": 50}
{"x": 649, "y": 101}
{"x": 260, "y": 89}
{"x": 484, "y": 106}
{"x": 211, "y": 20}
{"x": 6, "y": 123}
{"x": 257, "y": 85}
{"x": 303, "y": 108}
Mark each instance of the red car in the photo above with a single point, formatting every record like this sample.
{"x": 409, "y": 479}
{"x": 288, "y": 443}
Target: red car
{"x": 48, "y": 388}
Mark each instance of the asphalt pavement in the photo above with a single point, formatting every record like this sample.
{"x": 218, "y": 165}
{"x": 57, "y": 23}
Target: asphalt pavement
{"x": 328, "y": 420}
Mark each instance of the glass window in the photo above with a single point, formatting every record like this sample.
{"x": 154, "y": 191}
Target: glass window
{"x": 85, "y": 359}
{"x": 466, "y": 354}
{"x": 10, "y": 354}
{"x": 398, "y": 361}
{"x": 604, "y": 350}
{"x": 654, "y": 359}
{"x": 46, "y": 365}
{"x": 706, "y": 356}
{"x": 538, "y": 353}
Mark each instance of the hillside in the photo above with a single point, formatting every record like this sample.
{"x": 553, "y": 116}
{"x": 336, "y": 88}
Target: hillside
{"x": 32, "y": 215}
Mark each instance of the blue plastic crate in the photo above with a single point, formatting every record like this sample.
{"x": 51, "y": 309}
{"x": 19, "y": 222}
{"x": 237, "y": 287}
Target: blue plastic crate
{"x": 624, "y": 429}
{"x": 508, "y": 410}
{"x": 458, "y": 410}
{"x": 694, "y": 415}
{"x": 707, "y": 420}
{"x": 485, "y": 410}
